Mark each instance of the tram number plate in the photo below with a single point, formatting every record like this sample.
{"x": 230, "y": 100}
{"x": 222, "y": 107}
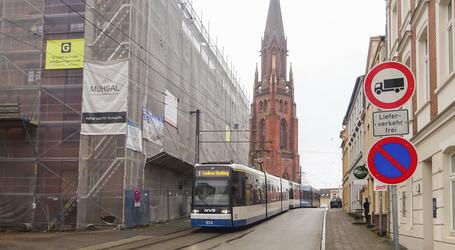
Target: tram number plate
{"x": 209, "y": 222}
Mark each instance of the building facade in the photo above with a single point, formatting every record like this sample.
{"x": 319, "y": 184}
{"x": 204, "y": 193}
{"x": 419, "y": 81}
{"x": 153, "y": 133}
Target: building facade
{"x": 420, "y": 35}
{"x": 353, "y": 148}
{"x": 357, "y": 139}
{"x": 274, "y": 124}
{"x": 99, "y": 100}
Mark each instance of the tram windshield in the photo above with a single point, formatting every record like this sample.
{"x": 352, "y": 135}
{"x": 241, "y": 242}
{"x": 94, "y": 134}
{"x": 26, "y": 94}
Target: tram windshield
{"x": 212, "y": 192}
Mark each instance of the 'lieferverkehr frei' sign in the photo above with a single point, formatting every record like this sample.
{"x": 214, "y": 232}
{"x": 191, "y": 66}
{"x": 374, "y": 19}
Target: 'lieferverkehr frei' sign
{"x": 65, "y": 54}
{"x": 387, "y": 123}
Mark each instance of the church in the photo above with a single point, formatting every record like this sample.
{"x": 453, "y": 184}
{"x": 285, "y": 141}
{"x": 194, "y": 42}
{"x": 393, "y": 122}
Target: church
{"x": 274, "y": 124}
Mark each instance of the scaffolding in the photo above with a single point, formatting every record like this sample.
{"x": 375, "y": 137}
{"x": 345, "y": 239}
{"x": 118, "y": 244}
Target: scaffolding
{"x": 53, "y": 176}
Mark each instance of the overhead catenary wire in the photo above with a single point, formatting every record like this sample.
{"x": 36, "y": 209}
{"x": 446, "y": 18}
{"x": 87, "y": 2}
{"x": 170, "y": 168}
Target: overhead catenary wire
{"x": 121, "y": 85}
{"x": 127, "y": 49}
{"x": 191, "y": 106}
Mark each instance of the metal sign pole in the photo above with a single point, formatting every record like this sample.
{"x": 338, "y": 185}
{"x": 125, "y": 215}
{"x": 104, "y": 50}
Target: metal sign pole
{"x": 380, "y": 214}
{"x": 396, "y": 241}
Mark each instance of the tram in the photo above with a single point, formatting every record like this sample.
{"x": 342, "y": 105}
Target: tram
{"x": 234, "y": 195}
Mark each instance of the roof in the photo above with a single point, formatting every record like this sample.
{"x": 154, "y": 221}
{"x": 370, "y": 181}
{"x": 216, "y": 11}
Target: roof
{"x": 274, "y": 23}
{"x": 358, "y": 85}
{"x": 169, "y": 161}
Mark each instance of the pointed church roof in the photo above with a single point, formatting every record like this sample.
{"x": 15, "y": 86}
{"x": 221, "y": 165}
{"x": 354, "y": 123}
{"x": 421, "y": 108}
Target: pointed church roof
{"x": 274, "y": 23}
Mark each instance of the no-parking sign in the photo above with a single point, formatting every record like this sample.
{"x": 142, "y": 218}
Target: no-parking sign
{"x": 392, "y": 160}
{"x": 389, "y": 85}
{"x": 137, "y": 196}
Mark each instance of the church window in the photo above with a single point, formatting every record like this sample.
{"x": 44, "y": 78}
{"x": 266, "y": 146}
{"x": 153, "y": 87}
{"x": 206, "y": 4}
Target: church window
{"x": 265, "y": 106}
{"x": 262, "y": 133}
{"x": 285, "y": 107}
{"x": 283, "y": 134}
{"x": 281, "y": 105}
{"x": 273, "y": 63}
{"x": 260, "y": 106}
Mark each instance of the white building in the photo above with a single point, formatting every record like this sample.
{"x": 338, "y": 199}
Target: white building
{"x": 420, "y": 34}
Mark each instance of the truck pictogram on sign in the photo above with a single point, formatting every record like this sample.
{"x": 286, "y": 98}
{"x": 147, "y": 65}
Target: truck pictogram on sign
{"x": 389, "y": 85}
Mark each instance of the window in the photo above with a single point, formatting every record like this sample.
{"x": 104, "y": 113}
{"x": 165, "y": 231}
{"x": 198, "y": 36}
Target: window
{"x": 403, "y": 204}
{"x": 452, "y": 183}
{"x": 33, "y": 76}
{"x": 262, "y": 133}
{"x": 77, "y": 27}
{"x": 404, "y": 9}
{"x": 450, "y": 36}
{"x": 423, "y": 70}
{"x": 211, "y": 192}
{"x": 283, "y": 134}
{"x": 37, "y": 29}
{"x": 394, "y": 25}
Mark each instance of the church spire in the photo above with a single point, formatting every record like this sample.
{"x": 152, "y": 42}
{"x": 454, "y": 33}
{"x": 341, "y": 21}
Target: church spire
{"x": 291, "y": 74}
{"x": 274, "y": 25}
{"x": 256, "y": 75}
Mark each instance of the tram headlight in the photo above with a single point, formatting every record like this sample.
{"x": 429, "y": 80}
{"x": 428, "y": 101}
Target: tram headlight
{"x": 225, "y": 211}
{"x": 195, "y": 211}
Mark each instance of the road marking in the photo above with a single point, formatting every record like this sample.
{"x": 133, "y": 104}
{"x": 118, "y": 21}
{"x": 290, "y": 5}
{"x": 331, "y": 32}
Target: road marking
{"x": 323, "y": 230}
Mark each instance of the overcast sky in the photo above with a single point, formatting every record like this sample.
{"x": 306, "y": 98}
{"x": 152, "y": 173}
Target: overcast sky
{"x": 328, "y": 45}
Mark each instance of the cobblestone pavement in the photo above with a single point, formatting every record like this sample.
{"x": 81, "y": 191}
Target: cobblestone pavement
{"x": 341, "y": 234}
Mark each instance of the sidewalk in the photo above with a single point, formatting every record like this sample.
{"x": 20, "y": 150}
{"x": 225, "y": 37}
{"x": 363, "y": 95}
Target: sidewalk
{"x": 341, "y": 234}
{"x": 76, "y": 240}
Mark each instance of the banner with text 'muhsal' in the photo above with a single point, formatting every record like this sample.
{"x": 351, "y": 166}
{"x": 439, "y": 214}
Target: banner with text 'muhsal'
{"x": 104, "y": 103}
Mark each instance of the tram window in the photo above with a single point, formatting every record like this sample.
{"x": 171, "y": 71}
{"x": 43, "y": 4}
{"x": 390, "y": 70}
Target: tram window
{"x": 211, "y": 192}
{"x": 238, "y": 188}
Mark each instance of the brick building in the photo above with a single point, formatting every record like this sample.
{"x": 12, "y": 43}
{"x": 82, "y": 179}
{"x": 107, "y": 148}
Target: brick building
{"x": 274, "y": 125}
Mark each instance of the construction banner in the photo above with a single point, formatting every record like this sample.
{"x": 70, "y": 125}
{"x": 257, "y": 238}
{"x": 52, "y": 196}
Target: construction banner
{"x": 153, "y": 125}
{"x": 134, "y": 136}
{"x": 65, "y": 54}
{"x": 170, "y": 109}
{"x": 104, "y": 103}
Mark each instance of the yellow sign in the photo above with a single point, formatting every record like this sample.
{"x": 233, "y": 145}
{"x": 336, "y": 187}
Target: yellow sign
{"x": 65, "y": 54}
{"x": 228, "y": 133}
{"x": 213, "y": 173}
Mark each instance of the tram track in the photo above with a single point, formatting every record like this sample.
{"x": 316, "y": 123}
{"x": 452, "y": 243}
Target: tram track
{"x": 183, "y": 240}
{"x": 174, "y": 241}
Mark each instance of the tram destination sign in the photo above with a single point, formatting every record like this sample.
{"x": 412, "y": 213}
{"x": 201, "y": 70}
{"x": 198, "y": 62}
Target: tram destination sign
{"x": 212, "y": 173}
{"x": 387, "y": 123}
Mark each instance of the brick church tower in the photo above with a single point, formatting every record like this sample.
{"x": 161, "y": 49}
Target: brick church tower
{"x": 274, "y": 124}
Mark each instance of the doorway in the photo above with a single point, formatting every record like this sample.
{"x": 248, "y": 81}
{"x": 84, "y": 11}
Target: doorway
{"x": 427, "y": 174}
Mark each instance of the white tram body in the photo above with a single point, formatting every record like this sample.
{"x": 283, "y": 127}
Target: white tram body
{"x": 234, "y": 195}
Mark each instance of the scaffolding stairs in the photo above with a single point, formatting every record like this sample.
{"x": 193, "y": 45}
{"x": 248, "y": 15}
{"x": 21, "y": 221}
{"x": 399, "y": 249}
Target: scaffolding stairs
{"x": 10, "y": 111}
{"x": 109, "y": 26}
{"x": 104, "y": 178}
{"x": 67, "y": 209}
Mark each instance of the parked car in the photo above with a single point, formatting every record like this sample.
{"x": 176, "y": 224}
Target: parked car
{"x": 336, "y": 203}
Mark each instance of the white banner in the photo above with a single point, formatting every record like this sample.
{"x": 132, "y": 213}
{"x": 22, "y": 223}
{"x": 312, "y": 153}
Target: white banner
{"x": 360, "y": 182}
{"x": 104, "y": 100}
{"x": 152, "y": 127}
{"x": 170, "y": 109}
{"x": 134, "y": 137}
{"x": 379, "y": 186}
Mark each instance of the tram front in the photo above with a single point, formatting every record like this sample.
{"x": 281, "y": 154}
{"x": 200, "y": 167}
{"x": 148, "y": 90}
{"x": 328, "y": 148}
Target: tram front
{"x": 210, "y": 201}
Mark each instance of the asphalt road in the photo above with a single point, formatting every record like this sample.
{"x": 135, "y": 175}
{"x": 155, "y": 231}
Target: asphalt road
{"x": 296, "y": 229}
